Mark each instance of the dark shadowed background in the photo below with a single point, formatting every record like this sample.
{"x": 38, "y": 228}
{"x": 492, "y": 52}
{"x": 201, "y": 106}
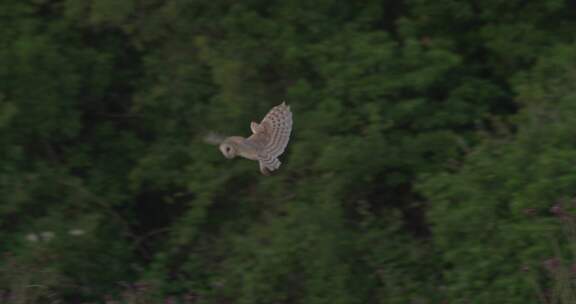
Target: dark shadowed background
{"x": 433, "y": 157}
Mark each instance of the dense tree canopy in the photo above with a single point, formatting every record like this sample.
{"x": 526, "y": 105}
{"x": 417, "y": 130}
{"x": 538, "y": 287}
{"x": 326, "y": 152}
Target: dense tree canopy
{"x": 430, "y": 140}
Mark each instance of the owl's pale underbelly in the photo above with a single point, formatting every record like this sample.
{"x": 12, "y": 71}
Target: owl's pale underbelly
{"x": 249, "y": 153}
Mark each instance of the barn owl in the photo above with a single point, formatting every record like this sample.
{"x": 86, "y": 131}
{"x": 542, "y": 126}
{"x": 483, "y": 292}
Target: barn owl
{"x": 268, "y": 140}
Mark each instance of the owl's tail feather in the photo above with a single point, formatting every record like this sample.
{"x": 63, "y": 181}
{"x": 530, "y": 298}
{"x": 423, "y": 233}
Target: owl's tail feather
{"x": 267, "y": 166}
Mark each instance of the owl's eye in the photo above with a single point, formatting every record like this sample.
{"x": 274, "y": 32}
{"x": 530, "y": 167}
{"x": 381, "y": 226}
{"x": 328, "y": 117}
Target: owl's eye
{"x": 228, "y": 149}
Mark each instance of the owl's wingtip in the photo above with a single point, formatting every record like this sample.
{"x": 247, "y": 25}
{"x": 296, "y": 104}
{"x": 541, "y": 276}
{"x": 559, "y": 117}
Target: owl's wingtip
{"x": 213, "y": 138}
{"x": 284, "y": 105}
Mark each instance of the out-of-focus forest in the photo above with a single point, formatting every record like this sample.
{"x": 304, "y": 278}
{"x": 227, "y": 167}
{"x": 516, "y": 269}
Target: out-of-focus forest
{"x": 433, "y": 156}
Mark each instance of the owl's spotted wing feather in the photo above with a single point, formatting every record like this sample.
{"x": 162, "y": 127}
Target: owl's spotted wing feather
{"x": 271, "y": 136}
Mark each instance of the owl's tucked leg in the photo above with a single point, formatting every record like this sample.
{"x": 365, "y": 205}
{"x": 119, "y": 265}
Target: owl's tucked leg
{"x": 255, "y": 127}
{"x": 263, "y": 169}
{"x": 268, "y": 166}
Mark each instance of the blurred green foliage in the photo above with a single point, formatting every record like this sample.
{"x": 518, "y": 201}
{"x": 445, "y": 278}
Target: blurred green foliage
{"x": 423, "y": 132}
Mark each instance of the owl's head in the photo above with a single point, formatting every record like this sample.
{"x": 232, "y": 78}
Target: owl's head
{"x": 228, "y": 148}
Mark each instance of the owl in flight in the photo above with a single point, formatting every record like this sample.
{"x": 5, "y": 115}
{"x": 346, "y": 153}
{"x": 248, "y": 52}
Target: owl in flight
{"x": 268, "y": 140}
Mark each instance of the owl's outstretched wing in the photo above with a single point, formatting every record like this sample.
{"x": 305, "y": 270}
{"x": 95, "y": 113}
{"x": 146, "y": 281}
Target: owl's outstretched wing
{"x": 213, "y": 138}
{"x": 271, "y": 136}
